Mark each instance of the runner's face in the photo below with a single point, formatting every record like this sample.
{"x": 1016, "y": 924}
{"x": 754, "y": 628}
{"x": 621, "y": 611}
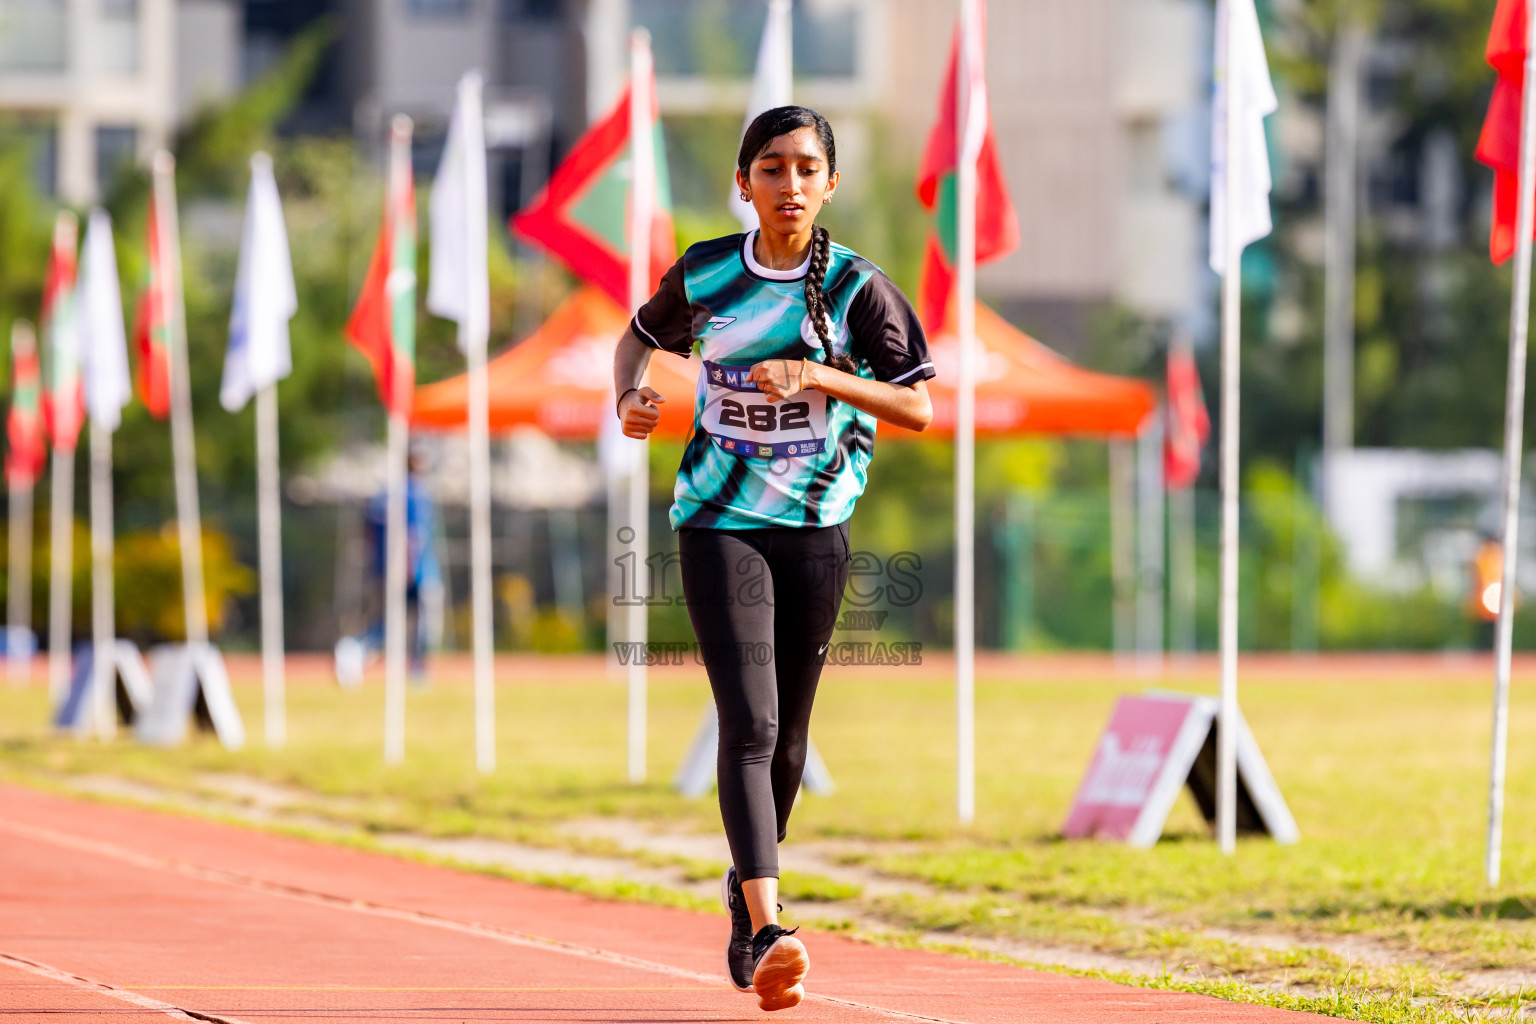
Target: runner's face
{"x": 789, "y": 181}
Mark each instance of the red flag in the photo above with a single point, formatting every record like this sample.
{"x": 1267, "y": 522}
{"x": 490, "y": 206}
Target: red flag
{"x": 383, "y": 323}
{"x": 151, "y": 328}
{"x": 581, "y": 216}
{"x": 1499, "y": 145}
{"x": 1189, "y": 425}
{"x": 25, "y": 430}
{"x": 64, "y": 406}
{"x": 997, "y": 225}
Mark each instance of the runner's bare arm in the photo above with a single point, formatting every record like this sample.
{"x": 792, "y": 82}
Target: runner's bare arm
{"x": 637, "y": 410}
{"x": 903, "y": 405}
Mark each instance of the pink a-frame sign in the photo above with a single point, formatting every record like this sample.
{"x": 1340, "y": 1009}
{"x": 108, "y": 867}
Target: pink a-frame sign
{"x": 1153, "y": 746}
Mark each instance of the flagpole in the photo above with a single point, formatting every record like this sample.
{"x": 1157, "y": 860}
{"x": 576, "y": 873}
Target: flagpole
{"x": 641, "y": 213}
{"x": 62, "y": 556}
{"x": 1181, "y": 544}
{"x": 395, "y": 517}
{"x": 183, "y": 445}
{"x": 18, "y": 641}
{"x": 473, "y": 339}
{"x": 21, "y": 487}
{"x": 1181, "y": 586}
{"x": 269, "y": 515}
{"x": 1231, "y": 298}
{"x": 965, "y": 426}
{"x": 1341, "y": 147}
{"x": 61, "y": 538}
{"x": 1151, "y": 552}
{"x": 1514, "y": 420}
{"x": 103, "y": 639}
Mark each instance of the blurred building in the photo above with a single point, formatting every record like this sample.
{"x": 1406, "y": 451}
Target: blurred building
{"x": 1097, "y": 102}
{"x": 1099, "y": 107}
{"x": 91, "y": 83}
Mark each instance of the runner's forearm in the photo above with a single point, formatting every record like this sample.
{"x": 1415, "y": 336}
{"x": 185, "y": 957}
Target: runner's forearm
{"x": 897, "y": 404}
{"x": 630, "y": 359}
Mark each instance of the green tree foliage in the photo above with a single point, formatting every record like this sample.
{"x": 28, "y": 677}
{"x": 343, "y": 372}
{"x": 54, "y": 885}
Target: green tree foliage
{"x": 25, "y": 230}
{"x": 1431, "y": 322}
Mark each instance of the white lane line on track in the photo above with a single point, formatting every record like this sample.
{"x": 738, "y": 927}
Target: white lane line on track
{"x": 101, "y": 988}
{"x": 222, "y": 877}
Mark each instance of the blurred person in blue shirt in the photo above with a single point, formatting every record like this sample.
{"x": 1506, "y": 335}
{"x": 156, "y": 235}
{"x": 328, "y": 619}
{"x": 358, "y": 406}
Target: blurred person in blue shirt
{"x": 423, "y": 574}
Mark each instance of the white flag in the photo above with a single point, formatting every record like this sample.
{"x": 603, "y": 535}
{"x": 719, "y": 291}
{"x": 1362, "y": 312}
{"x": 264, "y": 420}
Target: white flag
{"x": 103, "y": 341}
{"x": 772, "y": 85}
{"x": 265, "y": 298}
{"x": 460, "y": 287}
{"x": 1243, "y": 81}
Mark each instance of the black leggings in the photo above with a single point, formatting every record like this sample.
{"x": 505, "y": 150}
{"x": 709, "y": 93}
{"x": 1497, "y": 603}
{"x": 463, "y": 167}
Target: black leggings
{"x": 763, "y": 605}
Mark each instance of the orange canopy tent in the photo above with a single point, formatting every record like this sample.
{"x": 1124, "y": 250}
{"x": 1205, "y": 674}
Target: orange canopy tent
{"x": 560, "y": 379}
{"x": 1022, "y": 387}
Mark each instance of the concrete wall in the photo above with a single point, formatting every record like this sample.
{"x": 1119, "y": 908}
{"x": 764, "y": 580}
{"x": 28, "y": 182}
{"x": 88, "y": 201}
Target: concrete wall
{"x": 1086, "y": 96}
{"x": 208, "y": 34}
{"x": 111, "y": 75}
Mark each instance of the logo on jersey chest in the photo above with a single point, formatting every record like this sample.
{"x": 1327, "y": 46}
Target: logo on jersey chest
{"x": 721, "y": 322}
{"x": 808, "y": 331}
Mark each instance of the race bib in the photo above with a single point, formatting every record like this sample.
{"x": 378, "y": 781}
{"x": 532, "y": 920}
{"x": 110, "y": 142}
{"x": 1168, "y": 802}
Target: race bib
{"x": 743, "y": 422}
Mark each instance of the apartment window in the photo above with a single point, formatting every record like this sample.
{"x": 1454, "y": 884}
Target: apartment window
{"x": 531, "y": 12}
{"x": 34, "y": 37}
{"x": 117, "y": 37}
{"x": 116, "y": 148}
{"x": 716, "y": 39}
{"x": 437, "y": 8}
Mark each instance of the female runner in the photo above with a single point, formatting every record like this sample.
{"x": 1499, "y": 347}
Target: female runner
{"x": 805, "y": 345}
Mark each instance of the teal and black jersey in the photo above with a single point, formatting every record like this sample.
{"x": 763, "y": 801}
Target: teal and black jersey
{"x": 803, "y": 461}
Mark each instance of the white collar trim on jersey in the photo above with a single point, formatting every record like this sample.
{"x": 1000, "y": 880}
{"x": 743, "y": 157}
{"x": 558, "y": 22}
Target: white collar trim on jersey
{"x": 772, "y": 275}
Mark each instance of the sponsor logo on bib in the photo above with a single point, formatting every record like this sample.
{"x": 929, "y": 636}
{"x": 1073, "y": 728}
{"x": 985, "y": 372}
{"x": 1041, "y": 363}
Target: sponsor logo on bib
{"x": 741, "y": 419}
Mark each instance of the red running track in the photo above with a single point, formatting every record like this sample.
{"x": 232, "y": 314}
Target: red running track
{"x": 124, "y": 914}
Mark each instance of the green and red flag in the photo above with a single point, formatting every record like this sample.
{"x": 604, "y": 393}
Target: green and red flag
{"x": 997, "y": 226}
{"x": 151, "y": 327}
{"x": 64, "y": 406}
{"x": 1499, "y": 144}
{"x": 25, "y": 430}
{"x": 581, "y": 217}
{"x": 383, "y": 323}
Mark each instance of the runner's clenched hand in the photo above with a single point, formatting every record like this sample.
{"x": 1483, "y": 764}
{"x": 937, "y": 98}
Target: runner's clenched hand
{"x": 778, "y": 378}
{"x": 638, "y": 414}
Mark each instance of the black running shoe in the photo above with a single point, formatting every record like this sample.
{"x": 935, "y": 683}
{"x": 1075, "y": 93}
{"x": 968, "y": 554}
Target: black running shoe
{"x": 779, "y": 965}
{"x": 738, "y": 951}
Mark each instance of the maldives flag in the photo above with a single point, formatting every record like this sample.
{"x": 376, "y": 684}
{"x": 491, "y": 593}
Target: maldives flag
{"x": 1499, "y": 144}
{"x": 581, "y": 217}
{"x": 151, "y": 328}
{"x": 24, "y": 428}
{"x": 997, "y": 225}
{"x": 383, "y": 324}
{"x": 64, "y": 410}
{"x": 1189, "y": 425}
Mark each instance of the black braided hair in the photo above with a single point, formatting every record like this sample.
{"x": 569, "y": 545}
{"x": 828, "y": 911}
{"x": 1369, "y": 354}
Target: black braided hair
{"x": 766, "y": 127}
{"x": 816, "y": 300}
